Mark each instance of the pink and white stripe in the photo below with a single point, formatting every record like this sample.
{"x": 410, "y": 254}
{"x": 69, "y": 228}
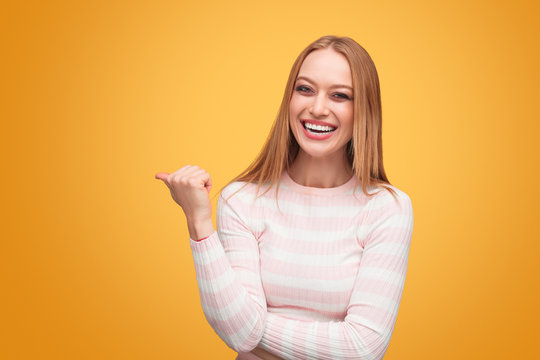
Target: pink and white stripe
{"x": 319, "y": 278}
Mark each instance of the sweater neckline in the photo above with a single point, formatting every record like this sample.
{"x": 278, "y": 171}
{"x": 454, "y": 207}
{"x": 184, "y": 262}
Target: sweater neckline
{"x": 337, "y": 190}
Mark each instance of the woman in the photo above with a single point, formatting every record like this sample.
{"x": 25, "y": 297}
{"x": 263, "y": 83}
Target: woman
{"x": 314, "y": 266}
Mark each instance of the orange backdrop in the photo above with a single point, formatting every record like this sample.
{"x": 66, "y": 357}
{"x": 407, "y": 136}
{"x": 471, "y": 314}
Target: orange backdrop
{"x": 98, "y": 96}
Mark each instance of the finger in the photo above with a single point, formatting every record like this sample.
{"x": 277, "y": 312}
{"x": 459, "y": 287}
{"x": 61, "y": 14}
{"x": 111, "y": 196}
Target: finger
{"x": 205, "y": 177}
{"x": 194, "y": 178}
{"x": 189, "y": 171}
{"x": 162, "y": 176}
{"x": 208, "y": 182}
{"x": 165, "y": 177}
{"x": 183, "y": 172}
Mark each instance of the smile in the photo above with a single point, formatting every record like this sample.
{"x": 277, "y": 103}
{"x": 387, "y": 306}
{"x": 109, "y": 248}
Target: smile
{"x": 317, "y": 132}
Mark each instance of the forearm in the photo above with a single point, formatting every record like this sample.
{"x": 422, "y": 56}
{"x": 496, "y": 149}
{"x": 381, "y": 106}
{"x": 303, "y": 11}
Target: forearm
{"x": 200, "y": 228}
{"x": 265, "y": 355}
{"x": 292, "y": 339}
{"x": 231, "y": 304}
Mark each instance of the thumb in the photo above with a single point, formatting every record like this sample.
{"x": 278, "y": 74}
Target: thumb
{"x": 162, "y": 176}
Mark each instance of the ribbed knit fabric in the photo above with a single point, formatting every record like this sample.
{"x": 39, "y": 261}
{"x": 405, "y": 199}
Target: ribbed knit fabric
{"x": 319, "y": 278}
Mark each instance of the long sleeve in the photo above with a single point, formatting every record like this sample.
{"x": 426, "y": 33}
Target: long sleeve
{"x": 366, "y": 330}
{"x": 228, "y": 276}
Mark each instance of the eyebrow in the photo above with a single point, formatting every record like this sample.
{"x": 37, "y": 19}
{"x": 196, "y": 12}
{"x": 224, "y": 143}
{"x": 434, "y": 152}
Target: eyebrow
{"x": 333, "y": 86}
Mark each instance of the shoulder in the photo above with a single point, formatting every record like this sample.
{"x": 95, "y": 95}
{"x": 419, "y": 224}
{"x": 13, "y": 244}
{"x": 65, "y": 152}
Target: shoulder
{"x": 237, "y": 208}
{"x": 390, "y": 217}
{"x": 393, "y": 200}
{"x": 239, "y": 196}
{"x": 238, "y": 189}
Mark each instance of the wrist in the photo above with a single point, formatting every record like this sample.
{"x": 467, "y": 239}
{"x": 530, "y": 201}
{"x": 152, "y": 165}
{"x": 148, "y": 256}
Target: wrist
{"x": 200, "y": 228}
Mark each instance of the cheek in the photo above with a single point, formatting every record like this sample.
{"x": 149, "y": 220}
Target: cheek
{"x": 293, "y": 116}
{"x": 348, "y": 115}
{"x": 294, "y": 105}
{"x": 347, "y": 118}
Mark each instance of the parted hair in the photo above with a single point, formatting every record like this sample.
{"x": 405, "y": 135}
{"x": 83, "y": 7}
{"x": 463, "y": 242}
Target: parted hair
{"x": 364, "y": 150}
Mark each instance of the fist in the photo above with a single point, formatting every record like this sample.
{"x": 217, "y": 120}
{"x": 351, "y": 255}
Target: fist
{"x": 190, "y": 187}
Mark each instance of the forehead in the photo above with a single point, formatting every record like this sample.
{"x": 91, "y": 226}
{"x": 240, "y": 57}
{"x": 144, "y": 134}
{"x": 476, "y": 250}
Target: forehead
{"x": 326, "y": 66}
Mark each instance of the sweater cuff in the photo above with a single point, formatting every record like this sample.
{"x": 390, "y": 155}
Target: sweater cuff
{"x": 203, "y": 238}
{"x": 206, "y": 237}
{"x": 209, "y": 238}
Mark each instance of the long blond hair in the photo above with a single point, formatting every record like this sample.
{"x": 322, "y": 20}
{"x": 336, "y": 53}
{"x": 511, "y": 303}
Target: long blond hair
{"x": 364, "y": 150}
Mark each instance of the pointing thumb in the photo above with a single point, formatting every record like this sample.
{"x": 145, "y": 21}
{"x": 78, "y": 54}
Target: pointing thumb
{"x": 162, "y": 176}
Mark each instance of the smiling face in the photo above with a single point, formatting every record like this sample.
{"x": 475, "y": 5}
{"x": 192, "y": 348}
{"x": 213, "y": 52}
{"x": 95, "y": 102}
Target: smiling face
{"x": 321, "y": 106}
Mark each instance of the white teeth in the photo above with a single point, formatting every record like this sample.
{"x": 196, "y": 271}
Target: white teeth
{"x": 318, "y": 127}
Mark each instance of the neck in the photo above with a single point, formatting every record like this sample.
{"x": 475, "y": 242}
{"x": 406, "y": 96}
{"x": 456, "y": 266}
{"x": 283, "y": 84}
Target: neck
{"x": 327, "y": 172}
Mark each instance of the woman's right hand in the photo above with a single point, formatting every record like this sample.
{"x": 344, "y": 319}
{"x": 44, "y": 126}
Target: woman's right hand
{"x": 190, "y": 187}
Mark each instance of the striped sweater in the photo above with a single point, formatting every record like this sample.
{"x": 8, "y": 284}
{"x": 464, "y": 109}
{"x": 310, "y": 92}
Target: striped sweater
{"x": 317, "y": 275}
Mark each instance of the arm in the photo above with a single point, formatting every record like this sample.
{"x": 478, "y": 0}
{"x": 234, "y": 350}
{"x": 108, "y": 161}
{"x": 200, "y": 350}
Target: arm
{"x": 366, "y": 329}
{"x": 263, "y": 354}
{"x": 227, "y": 268}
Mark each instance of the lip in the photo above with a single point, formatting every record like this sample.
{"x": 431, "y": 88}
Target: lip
{"x": 316, "y": 136}
{"x": 317, "y": 122}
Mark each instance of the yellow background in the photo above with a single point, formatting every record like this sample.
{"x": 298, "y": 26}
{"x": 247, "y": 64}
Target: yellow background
{"x": 98, "y": 96}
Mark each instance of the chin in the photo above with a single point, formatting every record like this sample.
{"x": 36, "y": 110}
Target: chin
{"x": 318, "y": 153}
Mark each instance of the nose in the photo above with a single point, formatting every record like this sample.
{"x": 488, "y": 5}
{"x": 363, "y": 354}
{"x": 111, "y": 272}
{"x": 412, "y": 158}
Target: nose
{"x": 318, "y": 106}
